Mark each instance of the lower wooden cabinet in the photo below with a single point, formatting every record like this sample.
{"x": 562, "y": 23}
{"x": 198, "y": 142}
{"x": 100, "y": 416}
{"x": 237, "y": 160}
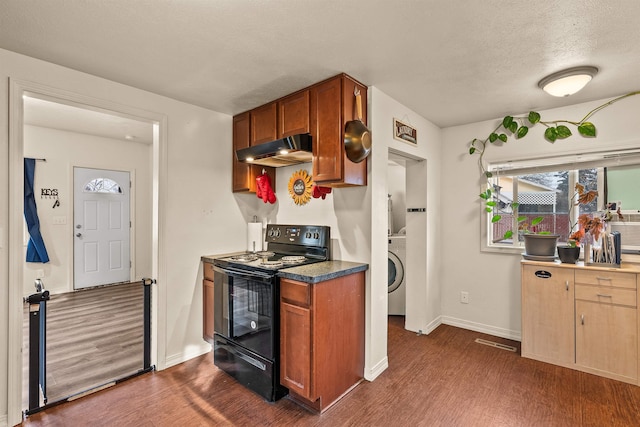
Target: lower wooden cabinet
{"x": 207, "y": 303}
{"x": 583, "y": 318}
{"x": 321, "y": 339}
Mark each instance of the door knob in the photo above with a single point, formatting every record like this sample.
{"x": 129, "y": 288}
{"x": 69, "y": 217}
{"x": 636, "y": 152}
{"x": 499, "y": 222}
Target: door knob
{"x": 78, "y": 234}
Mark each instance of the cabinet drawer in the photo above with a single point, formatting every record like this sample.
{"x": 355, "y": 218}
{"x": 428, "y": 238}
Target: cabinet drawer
{"x": 207, "y": 271}
{"x": 295, "y": 292}
{"x": 605, "y": 294}
{"x": 606, "y": 278}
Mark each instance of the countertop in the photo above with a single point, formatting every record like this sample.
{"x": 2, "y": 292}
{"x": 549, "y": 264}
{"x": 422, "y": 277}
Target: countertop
{"x": 310, "y": 273}
{"x": 321, "y": 271}
{"x": 624, "y": 267}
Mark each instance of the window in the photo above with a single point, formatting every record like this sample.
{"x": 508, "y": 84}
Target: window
{"x": 102, "y": 185}
{"x": 544, "y": 195}
{"x": 543, "y": 188}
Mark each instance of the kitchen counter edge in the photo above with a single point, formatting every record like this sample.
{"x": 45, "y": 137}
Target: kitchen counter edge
{"x": 624, "y": 267}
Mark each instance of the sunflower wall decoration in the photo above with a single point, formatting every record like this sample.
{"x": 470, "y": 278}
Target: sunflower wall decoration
{"x": 300, "y": 185}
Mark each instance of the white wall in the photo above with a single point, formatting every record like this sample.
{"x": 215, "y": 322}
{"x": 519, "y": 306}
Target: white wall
{"x": 423, "y": 231}
{"x": 63, "y": 150}
{"x": 201, "y": 215}
{"x": 493, "y": 279}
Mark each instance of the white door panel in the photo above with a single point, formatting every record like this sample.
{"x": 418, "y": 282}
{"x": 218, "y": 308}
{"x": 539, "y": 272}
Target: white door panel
{"x": 101, "y": 227}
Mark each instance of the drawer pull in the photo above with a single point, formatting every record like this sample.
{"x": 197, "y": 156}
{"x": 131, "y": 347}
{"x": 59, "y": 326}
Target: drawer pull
{"x": 582, "y": 319}
{"x": 605, "y": 296}
{"x": 604, "y": 278}
{"x": 566, "y": 284}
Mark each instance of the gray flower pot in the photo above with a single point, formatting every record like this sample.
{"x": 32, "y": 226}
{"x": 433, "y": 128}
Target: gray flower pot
{"x": 540, "y": 244}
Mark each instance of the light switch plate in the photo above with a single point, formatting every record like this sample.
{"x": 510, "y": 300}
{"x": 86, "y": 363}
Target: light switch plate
{"x": 59, "y": 220}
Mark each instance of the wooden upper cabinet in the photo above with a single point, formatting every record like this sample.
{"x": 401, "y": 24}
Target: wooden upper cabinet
{"x": 242, "y": 176}
{"x": 332, "y": 106}
{"x": 293, "y": 114}
{"x": 264, "y": 124}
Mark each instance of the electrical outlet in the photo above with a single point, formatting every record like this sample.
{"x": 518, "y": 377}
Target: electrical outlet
{"x": 464, "y": 297}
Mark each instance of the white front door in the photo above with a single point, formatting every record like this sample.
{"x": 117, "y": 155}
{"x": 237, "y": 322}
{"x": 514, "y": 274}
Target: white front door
{"x": 101, "y": 227}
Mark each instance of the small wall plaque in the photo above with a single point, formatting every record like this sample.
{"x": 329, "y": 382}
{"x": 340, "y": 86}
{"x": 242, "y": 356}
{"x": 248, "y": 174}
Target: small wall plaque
{"x": 405, "y": 133}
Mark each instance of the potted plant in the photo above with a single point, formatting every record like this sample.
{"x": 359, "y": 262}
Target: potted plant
{"x": 570, "y": 252}
{"x": 537, "y": 243}
{"x": 517, "y": 127}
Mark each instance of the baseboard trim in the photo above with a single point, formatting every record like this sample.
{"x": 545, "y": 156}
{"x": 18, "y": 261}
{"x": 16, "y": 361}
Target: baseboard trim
{"x": 377, "y": 369}
{"x": 480, "y": 327}
{"x": 190, "y": 353}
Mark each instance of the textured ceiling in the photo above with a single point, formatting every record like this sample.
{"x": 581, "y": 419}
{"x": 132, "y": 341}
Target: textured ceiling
{"x": 451, "y": 61}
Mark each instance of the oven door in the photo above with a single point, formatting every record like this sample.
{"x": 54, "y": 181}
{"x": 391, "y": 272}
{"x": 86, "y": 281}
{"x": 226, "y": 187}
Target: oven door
{"x": 244, "y": 309}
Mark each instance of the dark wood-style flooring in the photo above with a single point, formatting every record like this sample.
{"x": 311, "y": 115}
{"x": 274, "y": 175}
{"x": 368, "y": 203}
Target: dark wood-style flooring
{"x": 443, "y": 379}
{"x": 94, "y": 336}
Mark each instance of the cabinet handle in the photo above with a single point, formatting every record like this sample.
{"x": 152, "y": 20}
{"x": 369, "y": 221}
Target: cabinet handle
{"x": 605, "y": 296}
{"x": 582, "y": 319}
{"x": 603, "y": 278}
{"x": 566, "y": 284}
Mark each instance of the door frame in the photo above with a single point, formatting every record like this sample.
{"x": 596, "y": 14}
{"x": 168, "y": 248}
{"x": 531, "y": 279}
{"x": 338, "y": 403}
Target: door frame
{"x": 18, "y": 89}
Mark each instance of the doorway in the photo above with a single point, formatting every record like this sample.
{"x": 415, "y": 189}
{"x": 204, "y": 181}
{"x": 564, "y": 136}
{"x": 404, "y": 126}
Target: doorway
{"x": 21, "y": 277}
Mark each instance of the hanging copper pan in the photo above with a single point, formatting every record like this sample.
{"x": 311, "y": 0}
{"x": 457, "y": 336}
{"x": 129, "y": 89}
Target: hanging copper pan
{"x": 357, "y": 137}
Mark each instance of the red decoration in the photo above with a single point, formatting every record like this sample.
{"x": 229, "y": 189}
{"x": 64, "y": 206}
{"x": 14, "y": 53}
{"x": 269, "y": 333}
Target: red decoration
{"x": 319, "y": 191}
{"x": 264, "y": 190}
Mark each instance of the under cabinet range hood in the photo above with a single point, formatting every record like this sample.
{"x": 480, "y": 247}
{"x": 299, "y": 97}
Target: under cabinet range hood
{"x": 287, "y": 151}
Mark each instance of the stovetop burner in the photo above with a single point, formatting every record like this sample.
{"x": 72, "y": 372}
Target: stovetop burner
{"x": 248, "y": 257}
{"x": 271, "y": 264}
{"x": 265, "y": 254}
{"x": 293, "y": 259}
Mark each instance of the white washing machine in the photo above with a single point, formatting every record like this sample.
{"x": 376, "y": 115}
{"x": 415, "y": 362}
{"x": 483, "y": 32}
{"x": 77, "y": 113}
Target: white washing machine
{"x": 397, "y": 275}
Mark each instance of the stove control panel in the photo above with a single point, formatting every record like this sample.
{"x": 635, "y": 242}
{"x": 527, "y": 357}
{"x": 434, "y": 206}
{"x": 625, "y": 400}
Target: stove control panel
{"x": 305, "y": 235}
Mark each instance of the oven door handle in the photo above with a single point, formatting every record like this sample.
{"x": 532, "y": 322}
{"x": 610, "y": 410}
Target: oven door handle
{"x": 246, "y": 274}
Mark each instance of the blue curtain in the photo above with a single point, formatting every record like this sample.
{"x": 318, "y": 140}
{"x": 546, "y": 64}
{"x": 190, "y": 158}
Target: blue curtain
{"x": 36, "y": 251}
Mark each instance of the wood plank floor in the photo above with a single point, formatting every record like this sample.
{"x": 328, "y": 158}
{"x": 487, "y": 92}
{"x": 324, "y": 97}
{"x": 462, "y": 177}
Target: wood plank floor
{"x": 443, "y": 379}
{"x": 94, "y": 336}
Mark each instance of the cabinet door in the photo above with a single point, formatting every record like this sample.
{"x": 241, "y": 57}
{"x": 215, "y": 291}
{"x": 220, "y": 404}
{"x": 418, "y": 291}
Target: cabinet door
{"x": 264, "y": 124}
{"x": 207, "y": 311}
{"x": 242, "y": 174}
{"x": 327, "y": 131}
{"x": 293, "y": 114}
{"x": 295, "y": 350}
{"x": 607, "y": 338}
{"x": 547, "y": 314}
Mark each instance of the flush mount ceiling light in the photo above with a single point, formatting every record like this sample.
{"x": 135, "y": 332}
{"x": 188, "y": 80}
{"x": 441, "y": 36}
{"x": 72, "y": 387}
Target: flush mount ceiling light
{"x": 567, "y": 82}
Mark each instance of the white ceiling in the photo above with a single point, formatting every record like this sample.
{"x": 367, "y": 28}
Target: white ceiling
{"x": 451, "y": 61}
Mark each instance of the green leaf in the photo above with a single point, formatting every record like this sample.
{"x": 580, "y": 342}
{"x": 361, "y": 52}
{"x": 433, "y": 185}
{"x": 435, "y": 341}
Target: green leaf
{"x": 488, "y": 174}
{"x": 472, "y": 150}
{"x": 521, "y": 218}
{"x": 587, "y": 129}
{"x": 488, "y": 209}
{"x": 502, "y": 137}
{"x": 515, "y": 205}
{"x": 506, "y": 122}
{"x": 496, "y": 218}
{"x": 522, "y": 132}
{"x": 551, "y": 134}
{"x": 563, "y": 132}
{"x": 513, "y": 127}
{"x": 493, "y": 137}
{"x": 507, "y": 235}
{"x": 537, "y": 220}
{"x": 544, "y": 232}
{"x": 484, "y": 196}
{"x": 534, "y": 117}
{"x": 491, "y": 203}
